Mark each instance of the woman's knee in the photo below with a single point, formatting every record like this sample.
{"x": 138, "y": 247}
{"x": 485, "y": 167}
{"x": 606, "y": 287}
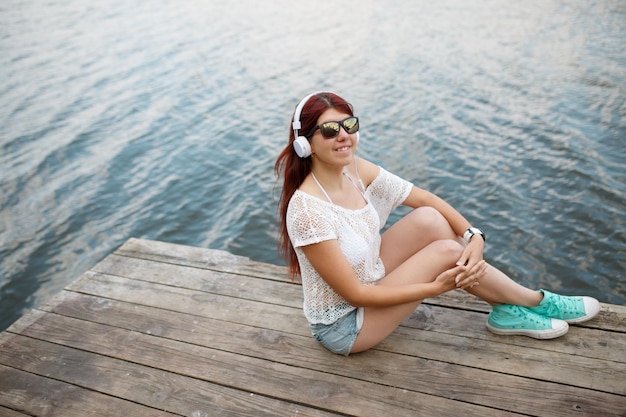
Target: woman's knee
{"x": 449, "y": 249}
{"x": 430, "y": 222}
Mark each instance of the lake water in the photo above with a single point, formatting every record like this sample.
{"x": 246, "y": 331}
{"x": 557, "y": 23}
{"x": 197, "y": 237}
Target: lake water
{"x": 162, "y": 120}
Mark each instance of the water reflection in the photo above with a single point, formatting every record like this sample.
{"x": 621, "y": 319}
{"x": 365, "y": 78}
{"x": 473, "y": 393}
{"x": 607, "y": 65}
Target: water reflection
{"x": 163, "y": 121}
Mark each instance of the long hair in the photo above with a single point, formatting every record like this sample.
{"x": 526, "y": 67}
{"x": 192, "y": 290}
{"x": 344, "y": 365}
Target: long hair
{"x": 295, "y": 169}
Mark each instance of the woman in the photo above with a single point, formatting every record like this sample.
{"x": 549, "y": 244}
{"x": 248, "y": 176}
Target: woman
{"x": 358, "y": 285}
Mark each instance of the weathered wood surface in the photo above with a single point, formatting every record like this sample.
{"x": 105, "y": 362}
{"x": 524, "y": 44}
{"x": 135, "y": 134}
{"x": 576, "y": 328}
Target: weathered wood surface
{"x": 157, "y": 329}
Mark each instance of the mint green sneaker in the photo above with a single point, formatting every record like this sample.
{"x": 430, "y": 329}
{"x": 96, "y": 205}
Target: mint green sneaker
{"x": 570, "y": 309}
{"x": 509, "y": 319}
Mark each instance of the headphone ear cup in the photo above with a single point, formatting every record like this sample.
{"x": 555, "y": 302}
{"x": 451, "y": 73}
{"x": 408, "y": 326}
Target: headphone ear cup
{"x": 302, "y": 147}
{"x": 357, "y": 137}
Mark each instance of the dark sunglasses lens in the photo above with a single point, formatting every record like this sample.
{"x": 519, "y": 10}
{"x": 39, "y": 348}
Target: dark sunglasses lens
{"x": 351, "y": 124}
{"x": 329, "y": 129}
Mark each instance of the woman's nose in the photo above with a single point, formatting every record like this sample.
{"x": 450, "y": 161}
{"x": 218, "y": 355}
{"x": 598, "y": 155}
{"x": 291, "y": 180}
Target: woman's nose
{"x": 342, "y": 133}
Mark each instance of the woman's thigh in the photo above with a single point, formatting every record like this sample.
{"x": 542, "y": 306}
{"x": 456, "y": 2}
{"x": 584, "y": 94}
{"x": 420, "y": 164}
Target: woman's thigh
{"x": 422, "y": 267}
{"x": 412, "y": 233}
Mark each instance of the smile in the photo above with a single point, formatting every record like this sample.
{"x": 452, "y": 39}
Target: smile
{"x": 343, "y": 149}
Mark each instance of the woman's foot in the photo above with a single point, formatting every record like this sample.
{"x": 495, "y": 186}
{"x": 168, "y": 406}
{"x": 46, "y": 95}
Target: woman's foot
{"x": 509, "y": 319}
{"x": 569, "y": 309}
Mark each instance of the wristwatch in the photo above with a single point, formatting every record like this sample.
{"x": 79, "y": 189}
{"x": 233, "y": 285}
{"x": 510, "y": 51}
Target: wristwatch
{"x": 469, "y": 234}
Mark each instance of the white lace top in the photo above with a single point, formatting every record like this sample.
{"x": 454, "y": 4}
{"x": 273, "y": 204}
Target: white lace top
{"x": 312, "y": 220}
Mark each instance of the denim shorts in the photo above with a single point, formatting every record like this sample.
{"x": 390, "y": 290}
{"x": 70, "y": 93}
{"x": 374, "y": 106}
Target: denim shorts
{"x": 339, "y": 337}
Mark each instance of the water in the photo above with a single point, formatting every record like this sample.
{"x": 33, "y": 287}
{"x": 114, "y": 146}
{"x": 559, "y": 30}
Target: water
{"x": 162, "y": 120}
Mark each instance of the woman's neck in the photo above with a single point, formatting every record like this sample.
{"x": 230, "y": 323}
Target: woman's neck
{"x": 332, "y": 178}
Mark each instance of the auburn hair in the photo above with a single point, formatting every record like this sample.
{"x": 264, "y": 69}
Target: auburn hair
{"x": 294, "y": 169}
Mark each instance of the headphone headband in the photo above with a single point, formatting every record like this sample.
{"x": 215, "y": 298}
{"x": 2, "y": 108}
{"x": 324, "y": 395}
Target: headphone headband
{"x": 296, "y": 125}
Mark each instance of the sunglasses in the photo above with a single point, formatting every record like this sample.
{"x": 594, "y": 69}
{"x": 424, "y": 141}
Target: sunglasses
{"x": 330, "y": 130}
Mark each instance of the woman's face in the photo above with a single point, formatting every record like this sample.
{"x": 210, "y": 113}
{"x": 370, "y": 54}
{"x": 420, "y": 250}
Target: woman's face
{"x": 338, "y": 150}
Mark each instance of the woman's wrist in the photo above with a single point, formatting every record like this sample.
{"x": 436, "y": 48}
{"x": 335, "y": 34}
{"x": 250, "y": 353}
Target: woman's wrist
{"x": 471, "y": 232}
{"x": 433, "y": 289}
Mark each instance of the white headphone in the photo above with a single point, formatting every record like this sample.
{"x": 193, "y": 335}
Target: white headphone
{"x": 301, "y": 144}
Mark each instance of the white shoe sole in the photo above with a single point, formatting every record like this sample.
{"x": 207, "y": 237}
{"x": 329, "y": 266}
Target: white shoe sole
{"x": 559, "y": 328}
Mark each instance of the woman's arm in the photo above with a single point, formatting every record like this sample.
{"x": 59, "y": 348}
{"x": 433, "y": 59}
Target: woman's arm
{"x": 417, "y": 198}
{"x": 473, "y": 253}
{"x": 420, "y": 197}
{"x": 328, "y": 260}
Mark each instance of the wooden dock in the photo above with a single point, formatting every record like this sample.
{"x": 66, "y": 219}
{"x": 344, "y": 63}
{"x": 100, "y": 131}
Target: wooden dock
{"x": 157, "y": 329}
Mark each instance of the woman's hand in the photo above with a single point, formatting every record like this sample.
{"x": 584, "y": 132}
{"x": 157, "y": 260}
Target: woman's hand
{"x": 447, "y": 280}
{"x": 472, "y": 258}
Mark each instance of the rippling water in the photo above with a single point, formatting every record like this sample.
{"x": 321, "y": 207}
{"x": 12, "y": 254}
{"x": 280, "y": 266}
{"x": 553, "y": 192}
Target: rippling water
{"x": 162, "y": 119}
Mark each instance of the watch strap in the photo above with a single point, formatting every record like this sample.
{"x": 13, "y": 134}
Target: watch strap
{"x": 469, "y": 234}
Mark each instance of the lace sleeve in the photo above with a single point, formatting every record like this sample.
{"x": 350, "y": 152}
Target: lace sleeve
{"x": 307, "y": 221}
{"x": 387, "y": 192}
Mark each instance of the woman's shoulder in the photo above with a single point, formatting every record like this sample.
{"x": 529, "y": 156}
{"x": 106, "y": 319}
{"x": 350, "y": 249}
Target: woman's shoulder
{"x": 303, "y": 200}
{"x": 368, "y": 171}
{"x": 307, "y": 214}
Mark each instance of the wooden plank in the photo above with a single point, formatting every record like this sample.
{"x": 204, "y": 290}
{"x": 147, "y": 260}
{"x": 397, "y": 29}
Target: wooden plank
{"x": 401, "y": 371}
{"x": 23, "y": 322}
{"x": 190, "y": 301}
{"x": 140, "y": 384}
{"x": 454, "y": 321}
{"x": 200, "y": 257}
{"x": 579, "y": 341}
{"x": 610, "y": 318}
{"x": 532, "y": 362}
{"x": 7, "y": 412}
{"x": 216, "y": 282}
{"x": 36, "y": 395}
{"x": 321, "y": 390}
{"x": 512, "y": 359}
{"x": 165, "y": 327}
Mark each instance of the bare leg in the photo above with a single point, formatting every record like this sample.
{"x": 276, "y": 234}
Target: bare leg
{"x": 416, "y": 249}
{"x": 497, "y": 288}
{"x": 425, "y": 225}
{"x": 411, "y": 234}
{"x": 379, "y": 322}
